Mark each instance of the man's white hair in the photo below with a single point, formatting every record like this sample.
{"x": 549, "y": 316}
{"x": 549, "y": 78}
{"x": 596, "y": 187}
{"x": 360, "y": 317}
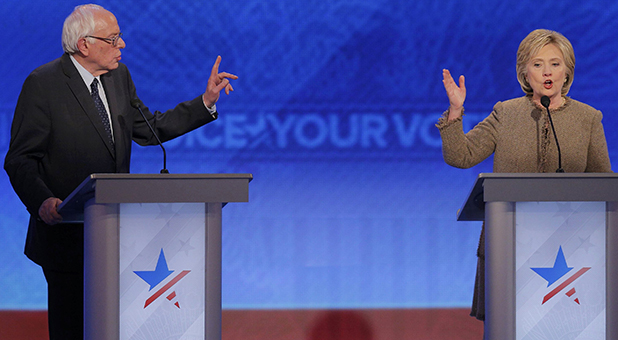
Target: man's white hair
{"x": 77, "y": 25}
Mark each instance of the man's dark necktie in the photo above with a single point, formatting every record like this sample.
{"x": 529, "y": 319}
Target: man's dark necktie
{"x": 94, "y": 92}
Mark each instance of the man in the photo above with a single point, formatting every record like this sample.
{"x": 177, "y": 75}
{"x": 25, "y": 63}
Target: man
{"x": 74, "y": 118}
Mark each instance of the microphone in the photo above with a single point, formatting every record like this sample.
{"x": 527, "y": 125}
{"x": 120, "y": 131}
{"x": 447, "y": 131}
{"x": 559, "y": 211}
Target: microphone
{"x": 545, "y": 102}
{"x": 136, "y": 103}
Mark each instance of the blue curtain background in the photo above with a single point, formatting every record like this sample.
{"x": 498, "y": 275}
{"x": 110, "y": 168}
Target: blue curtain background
{"x": 352, "y": 205}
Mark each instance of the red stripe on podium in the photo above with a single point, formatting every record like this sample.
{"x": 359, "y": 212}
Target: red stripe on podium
{"x": 565, "y": 284}
{"x": 166, "y": 287}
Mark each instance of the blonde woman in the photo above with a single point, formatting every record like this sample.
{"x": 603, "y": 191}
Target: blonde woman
{"x": 518, "y": 132}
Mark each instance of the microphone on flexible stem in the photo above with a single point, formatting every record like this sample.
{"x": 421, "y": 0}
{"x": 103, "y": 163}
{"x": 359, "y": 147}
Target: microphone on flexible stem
{"x": 545, "y": 102}
{"x": 136, "y": 103}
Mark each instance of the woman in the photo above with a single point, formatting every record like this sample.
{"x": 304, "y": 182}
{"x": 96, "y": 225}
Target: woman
{"x": 518, "y": 131}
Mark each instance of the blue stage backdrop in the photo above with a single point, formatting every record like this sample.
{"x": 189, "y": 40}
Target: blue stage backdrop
{"x": 352, "y": 205}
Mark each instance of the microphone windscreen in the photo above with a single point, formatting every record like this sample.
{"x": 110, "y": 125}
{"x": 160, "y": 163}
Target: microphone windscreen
{"x": 545, "y": 101}
{"x": 136, "y": 103}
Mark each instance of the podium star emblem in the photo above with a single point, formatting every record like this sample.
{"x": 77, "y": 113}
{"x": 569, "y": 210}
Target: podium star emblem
{"x": 555, "y": 273}
{"x": 158, "y": 275}
{"x": 154, "y": 277}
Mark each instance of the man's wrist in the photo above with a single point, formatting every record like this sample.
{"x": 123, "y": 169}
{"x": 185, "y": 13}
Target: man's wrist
{"x": 212, "y": 109}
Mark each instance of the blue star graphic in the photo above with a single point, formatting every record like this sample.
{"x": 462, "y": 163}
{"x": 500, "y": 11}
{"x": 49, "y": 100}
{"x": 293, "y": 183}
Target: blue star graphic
{"x": 553, "y": 274}
{"x": 154, "y": 277}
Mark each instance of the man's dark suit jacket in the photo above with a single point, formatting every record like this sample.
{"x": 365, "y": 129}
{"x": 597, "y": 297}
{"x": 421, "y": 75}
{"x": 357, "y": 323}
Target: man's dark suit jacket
{"x": 58, "y": 139}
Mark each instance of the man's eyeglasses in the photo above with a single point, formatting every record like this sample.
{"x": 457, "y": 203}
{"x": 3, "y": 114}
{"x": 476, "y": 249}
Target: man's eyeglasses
{"x": 113, "y": 41}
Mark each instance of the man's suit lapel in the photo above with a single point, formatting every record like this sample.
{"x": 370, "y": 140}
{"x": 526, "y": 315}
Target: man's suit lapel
{"x": 82, "y": 94}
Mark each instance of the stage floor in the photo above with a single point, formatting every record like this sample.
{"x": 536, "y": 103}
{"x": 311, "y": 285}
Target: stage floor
{"x": 361, "y": 324}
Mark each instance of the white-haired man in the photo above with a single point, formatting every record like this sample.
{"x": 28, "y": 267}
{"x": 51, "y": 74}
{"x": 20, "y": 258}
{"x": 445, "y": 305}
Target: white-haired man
{"x": 73, "y": 118}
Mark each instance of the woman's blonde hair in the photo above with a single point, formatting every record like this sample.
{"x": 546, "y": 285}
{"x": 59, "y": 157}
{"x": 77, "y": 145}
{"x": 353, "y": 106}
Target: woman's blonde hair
{"x": 532, "y": 45}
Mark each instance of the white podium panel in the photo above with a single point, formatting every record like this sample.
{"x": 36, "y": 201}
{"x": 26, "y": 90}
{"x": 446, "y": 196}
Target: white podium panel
{"x": 551, "y": 251}
{"x": 162, "y": 270}
{"x": 152, "y": 253}
{"x": 560, "y": 270}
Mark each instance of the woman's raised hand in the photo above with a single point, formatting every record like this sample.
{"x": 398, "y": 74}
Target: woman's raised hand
{"x": 456, "y": 94}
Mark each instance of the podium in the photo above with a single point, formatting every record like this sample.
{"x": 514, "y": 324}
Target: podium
{"x": 551, "y": 249}
{"x": 152, "y": 252}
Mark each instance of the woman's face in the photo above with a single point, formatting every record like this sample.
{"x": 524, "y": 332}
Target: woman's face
{"x": 546, "y": 74}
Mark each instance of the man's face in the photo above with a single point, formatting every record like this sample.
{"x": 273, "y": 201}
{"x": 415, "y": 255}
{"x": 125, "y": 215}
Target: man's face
{"x": 102, "y": 55}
